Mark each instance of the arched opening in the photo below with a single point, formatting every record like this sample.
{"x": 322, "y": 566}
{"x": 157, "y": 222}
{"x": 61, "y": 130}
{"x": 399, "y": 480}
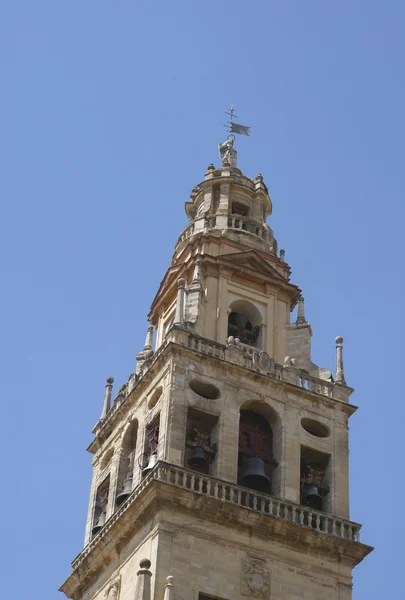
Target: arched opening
{"x": 259, "y": 448}
{"x": 127, "y": 462}
{"x": 105, "y": 461}
{"x": 153, "y": 400}
{"x": 245, "y": 323}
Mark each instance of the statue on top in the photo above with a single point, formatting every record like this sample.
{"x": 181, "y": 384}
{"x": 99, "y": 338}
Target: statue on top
{"x": 228, "y": 153}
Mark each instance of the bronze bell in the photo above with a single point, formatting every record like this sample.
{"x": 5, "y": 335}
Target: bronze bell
{"x": 198, "y": 460}
{"x": 312, "y": 497}
{"x": 126, "y": 491}
{"x": 254, "y": 477}
{"x": 151, "y": 463}
{"x": 100, "y": 522}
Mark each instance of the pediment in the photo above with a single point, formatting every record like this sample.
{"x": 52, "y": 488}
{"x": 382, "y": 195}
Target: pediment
{"x": 254, "y": 263}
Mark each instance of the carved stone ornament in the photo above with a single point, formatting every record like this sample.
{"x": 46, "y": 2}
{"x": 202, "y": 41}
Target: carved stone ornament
{"x": 113, "y": 590}
{"x": 255, "y": 578}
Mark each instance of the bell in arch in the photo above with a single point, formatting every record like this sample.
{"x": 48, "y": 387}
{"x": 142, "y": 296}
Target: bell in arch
{"x": 254, "y": 477}
{"x": 126, "y": 491}
{"x": 312, "y": 497}
{"x": 151, "y": 463}
{"x": 99, "y": 524}
{"x": 198, "y": 459}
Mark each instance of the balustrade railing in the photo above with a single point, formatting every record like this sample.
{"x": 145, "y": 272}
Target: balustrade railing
{"x": 188, "y": 232}
{"x": 246, "y": 224}
{"x": 231, "y": 494}
{"x": 293, "y": 513}
{"x": 251, "y": 358}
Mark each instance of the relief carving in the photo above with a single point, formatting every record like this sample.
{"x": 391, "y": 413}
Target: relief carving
{"x": 255, "y": 578}
{"x": 113, "y": 590}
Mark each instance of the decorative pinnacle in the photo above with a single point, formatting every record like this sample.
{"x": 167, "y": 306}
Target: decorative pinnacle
{"x": 340, "y": 375}
{"x": 145, "y": 563}
{"x": 301, "y": 311}
{"x": 168, "y": 588}
{"x": 179, "y": 316}
{"x": 149, "y": 338}
{"x": 142, "y": 590}
{"x": 282, "y": 255}
{"x": 197, "y": 271}
{"x": 107, "y": 397}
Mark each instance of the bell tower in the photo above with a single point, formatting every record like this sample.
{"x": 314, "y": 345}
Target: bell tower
{"x": 220, "y": 468}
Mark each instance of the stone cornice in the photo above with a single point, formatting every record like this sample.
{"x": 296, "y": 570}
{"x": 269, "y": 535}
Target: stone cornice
{"x": 224, "y": 503}
{"x": 178, "y": 342}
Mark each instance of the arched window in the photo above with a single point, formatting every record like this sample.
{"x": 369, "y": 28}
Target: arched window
{"x": 244, "y": 322}
{"x": 255, "y": 454}
{"x": 127, "y": 462}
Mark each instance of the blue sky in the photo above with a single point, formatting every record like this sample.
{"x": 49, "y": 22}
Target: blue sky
{"x": 109, "y": 114}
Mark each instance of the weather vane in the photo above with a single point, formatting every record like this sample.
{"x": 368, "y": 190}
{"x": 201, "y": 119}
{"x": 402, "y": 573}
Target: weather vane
{"x": 227, "y": 151}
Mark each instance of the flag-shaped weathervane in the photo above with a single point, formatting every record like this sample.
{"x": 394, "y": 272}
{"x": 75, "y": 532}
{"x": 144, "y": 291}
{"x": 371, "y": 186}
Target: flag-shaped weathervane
{"x": 235, "y": 127}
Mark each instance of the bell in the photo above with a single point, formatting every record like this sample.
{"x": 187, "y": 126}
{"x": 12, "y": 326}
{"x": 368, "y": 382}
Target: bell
{"x": 312, "y": 497}
{"x": 240, "y": 320}
{"x": 254, "y": 477}
{"x": 151, "y": 463}
{"x": 198, "y": 460}
{"x": 99, "y": 524}
{"x": 126, "y": 491}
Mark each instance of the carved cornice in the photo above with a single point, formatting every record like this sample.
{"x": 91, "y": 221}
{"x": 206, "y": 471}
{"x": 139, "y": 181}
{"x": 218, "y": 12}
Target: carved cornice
{"x": 156, "y": 493}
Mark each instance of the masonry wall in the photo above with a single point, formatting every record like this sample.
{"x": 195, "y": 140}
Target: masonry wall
{"x": 227, "y": 563}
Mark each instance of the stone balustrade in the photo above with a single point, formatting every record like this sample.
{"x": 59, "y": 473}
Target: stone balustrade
{"x": 246, "y": 224}
{"x": 261, "y": 362}
{"x": 265, "y": 504}
{"x": 237, "y": 222}
{"x": 242, "y": 355}
{"x": 185, "y": 234}
{"x": 231, "y": 494}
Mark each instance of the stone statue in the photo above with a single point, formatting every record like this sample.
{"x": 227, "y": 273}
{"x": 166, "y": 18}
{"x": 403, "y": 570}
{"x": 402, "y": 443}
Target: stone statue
{"x": 228, "y": 153}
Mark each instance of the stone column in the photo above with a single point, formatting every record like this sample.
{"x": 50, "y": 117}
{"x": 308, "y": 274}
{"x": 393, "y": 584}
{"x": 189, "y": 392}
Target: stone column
{"x": 179, "y": 316}
{"x": 169, "y": 588}
{"x": 340, "y": 375}
{"x": 107, "y": 397}
{"x": 142, "y": 591}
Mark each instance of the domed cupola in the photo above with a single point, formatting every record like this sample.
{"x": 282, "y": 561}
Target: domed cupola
{"x": 228, "y": 203}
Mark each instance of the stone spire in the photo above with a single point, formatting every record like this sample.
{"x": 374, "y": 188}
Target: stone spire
{"x": 142, "y": 591}
{"x": 179, "y": 316}
{"x": 340, "y": 374}
{"x": 169, "y": 588}
{"x": 197, "y": 272}
{"x": 107, "y": 397}
{"x": 301, "y": 312}
{"x": 147, "y": 351}
{"x": 149, "y": 339}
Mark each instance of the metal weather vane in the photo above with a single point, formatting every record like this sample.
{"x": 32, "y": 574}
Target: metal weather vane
{"x": 227, "y": 151}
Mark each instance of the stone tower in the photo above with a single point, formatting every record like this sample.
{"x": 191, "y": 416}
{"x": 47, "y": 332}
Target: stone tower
{"x": 220, "y": 469}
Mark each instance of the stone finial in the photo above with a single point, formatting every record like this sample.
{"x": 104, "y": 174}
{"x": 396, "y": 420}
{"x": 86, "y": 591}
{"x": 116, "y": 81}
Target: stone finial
{"x": 301, "y": 311}
{"x": 340, "y": 374}
{"x": 149, "y": 338}
{"x": 169, "y": 588}
{"x": 210, "y": 167}
{"x": 282, "y": 255}
{"x": 142, "y": 590}
{"x": 197, "y": 272}
{"x": 179, "y": 316}
{"x": 259, "y": 177}
{"x": 107, "y": 397}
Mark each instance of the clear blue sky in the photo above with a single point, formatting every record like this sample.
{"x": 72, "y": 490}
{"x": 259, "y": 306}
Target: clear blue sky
{"x": 109, "y": 114}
